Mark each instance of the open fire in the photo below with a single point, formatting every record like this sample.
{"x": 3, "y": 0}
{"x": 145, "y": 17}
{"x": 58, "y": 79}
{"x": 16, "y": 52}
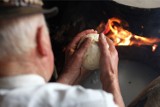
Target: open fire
{"x": 115, "y": 30}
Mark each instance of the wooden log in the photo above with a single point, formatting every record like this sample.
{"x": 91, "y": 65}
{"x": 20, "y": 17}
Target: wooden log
{"x": 137, "y": 53}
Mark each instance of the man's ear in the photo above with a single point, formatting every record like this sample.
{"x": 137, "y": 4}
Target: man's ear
{"x": 41, "y": 41}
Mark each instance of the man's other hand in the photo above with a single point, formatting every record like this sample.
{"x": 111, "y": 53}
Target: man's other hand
{"x": 109, "y": 69}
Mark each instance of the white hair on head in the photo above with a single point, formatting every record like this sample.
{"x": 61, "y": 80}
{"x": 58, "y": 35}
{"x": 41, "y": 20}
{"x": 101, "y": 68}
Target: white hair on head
{"x": 17, "y": 36}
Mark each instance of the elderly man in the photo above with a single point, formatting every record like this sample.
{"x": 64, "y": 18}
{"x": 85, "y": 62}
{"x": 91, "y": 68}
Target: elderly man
{"x": 27, "y": 63}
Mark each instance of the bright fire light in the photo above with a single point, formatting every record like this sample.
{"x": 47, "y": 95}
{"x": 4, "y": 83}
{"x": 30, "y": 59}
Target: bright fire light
{"x": 122, "y": 37}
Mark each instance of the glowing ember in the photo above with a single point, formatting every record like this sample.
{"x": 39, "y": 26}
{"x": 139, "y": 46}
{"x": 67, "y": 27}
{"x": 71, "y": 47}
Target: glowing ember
{"x": 122, "y": 37}
{"x": 154, "y": 47}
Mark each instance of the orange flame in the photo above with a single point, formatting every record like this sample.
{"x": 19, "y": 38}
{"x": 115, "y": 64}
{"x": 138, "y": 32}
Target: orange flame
{"x": 122, "y": 37}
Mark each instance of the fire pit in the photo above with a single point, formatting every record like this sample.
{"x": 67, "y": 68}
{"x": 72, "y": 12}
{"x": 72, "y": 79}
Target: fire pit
{"x": 139, "y": 58}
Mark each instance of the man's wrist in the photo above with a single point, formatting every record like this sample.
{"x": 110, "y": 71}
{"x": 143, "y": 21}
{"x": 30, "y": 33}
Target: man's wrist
{"x": 113, "y": 87}
{"x": 67, "y": 78}
{"x": 110, "y": 84}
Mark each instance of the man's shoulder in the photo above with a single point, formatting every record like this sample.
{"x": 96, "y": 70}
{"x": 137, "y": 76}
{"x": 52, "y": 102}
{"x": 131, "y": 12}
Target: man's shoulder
{"x": 59, "y": 95}
{"x": 77, "y": 89}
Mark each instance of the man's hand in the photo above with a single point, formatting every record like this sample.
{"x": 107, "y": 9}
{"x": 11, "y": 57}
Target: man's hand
{"x": 109, "y": 69}
{"x": 73, "y": 71}
{"x": 108, "y": 60}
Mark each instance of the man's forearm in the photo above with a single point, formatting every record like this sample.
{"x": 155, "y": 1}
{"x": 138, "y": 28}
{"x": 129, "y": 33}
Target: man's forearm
{"x": 113, "y": 87}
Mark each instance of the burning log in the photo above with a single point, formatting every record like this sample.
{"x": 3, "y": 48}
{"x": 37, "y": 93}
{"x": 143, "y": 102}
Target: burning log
{"x": 143, "y": 53}
{"x": 114, "y": 29}
{"x": 129, "y": 45}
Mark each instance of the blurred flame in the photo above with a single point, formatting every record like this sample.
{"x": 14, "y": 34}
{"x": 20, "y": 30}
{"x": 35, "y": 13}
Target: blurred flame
{"x": 122, "y": 37}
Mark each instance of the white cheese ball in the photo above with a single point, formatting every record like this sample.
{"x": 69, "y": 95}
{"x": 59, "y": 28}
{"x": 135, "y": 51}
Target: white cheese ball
{"x": 92, "y": 55}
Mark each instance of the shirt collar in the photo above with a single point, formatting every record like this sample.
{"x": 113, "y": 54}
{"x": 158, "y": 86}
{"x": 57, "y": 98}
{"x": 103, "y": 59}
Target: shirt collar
{"x": 21, "y": 81}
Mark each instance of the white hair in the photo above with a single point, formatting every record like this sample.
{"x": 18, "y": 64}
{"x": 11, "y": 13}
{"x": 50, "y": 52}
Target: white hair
{"x": 17, "y": 36}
